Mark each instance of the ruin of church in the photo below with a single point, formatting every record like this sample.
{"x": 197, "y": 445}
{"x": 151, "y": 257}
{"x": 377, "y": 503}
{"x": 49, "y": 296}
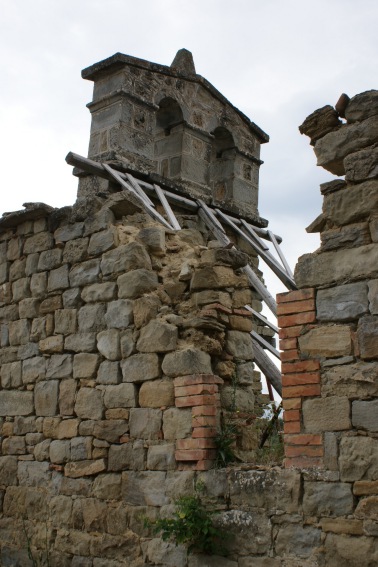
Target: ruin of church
{"x": 135, "y": 351}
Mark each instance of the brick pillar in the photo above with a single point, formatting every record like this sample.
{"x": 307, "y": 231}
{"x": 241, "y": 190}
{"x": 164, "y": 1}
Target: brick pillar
{"x": 201, "y": 393}
{"x": 300, "y": 377}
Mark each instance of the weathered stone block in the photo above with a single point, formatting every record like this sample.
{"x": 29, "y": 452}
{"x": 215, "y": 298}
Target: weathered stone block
{"x": 81, "y": 448}
{"x": 33, "y": 369}
{"x": 297, "y": 540}
{"x": 109, "y": 373}
{"x": 326, "y": 414}
{"x": 120, "y": 396}
{"x": 161, "y": 457}
{"x": 8, "y": 471}
{"x": 136, "y": 282}
{"x": 362, "y": 106}
{"x": 125, "y": 258}
{"x": 353, "y": 204}
{"x": 58, "y": 279}
{"x": 361, "y": 165}
{"x": 145, "y": 423}
{"x": 144, "y": 488}
{"x": 16, "y": 402}
{"x": 157, "y": 336}
{"x": 59, "y": 366}
{"x": 216, "y": 277}
{"x": 76, "y": 251}
{"x": 140, "y": 367}
{"x": 59, "y": 451}
{"x": 342, "y": 303}
{"x": 67, "y": 394}
{"x": 103, "y": 241}
{"x": 107, "y": 486}
{"x": 69, "y": 232}
{"x": 89, "y": 404}
{"x": 327, "y": 499}
{"x": 91, "y": 318}
{"x": 38, "y": 243}
{"x": 373, "y": 296}
{"x": 358, "y": 458}
{"x": 367, "y": 508}
{"x": 50, "y": 259}
{"x": 119, "y": 314}
{"x": 38, "y": 284}
{"x": 33, "y": 474}
{"x": 28, "y": 308}
{"x": 320, "y": 122}
{"x": 128, "y": 456}
{"x": 84, "y": 273}
{"x": 51, "y": 345}
{"x": 367, "y": 335}
{"x": 65, "y": 321}
{"x": 14, "y": 445}
{"x": 108, "y": 344}
{"x": 99, "y": 292}
{"x": 84, "y": 468}
{"x": 241, "y": 398}
{"x": 186, "y": 361}
{"x": 330, "y": 341}
{"x": 11, "y": 375}
{"x": 46, "y": 398}
{"x": 110, "y": 430}
{"x": 19, "y": 332}
{"x": 145, "y": 309}
{"x": 239, "y": 345}
{"x": 156, "y": 394}
{"x": 85, "y": 365}
{"x": 80, "y": 342}
{"x": 365, "y": 415}
{"x": 177, "y": 423}
{"x": 341, "y": 549}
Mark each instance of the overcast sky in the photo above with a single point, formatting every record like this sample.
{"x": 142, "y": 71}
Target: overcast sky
{"x": 276, "y": 60}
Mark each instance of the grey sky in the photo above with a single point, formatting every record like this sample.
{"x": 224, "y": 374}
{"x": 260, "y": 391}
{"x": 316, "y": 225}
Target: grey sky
{"x": 276, "y": 60}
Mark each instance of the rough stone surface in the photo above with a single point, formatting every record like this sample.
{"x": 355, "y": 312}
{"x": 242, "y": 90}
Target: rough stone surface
{"x": 156, "y": 393}
{"x": 365, "y": 414}
{"x": 326, "y": 414}
{"x": 327, "y": 341}
{"x": 46, "y": 398}
{"x": 140, "y": 367}
{"x": 327, "y": 499}
{"x": 358, "y": 458}
{"x": 186, "y": 361}
{"x": 16, "y": 403}
{"x": 89, "y": 404}
{"x": 136, "y": 283}
{"x": 145, "y": 423}
{"x": 342, "y": 303}
{"x": 157, "y": 336}
{"x": 367, "y": 334}
{"x": 120, "y": 396}
{"x": 351, "y": 380}
{"x": 362, "y": 165}
{"x": 362, "y": 106}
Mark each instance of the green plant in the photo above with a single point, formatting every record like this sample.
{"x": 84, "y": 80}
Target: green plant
{"x": 42, "y": 561}
{"x": 192, "y": 526}
{"x": 225, "y": 441}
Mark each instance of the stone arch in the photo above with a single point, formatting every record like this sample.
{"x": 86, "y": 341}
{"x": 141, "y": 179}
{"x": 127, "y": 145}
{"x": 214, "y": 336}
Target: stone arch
{"x": 168, "y": 115}
{"x": 223, "y": 140}
{"x": 221, "y": 170}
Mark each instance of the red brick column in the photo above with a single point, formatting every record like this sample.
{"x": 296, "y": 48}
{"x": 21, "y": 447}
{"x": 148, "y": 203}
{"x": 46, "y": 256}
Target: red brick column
{"x": 300, "y": 377}
{"x": 201, "y": 393}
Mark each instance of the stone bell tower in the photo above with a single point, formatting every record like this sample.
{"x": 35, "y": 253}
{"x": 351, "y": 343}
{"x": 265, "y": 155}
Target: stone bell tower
{"x": 171, "y": 123}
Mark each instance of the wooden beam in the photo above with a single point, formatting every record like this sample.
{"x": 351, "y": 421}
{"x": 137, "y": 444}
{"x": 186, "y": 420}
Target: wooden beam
{"x": 262, "y": 342}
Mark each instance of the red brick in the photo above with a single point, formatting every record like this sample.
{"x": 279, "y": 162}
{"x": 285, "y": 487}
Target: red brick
{"x": 292, "y": 403}
{"x": 204, "y": 410}
{"x": 300, "y": 366}
{"x": 301, "y": 391}
{"x": 303, "y": 439}
{"x": 204, "y": 420}
{"x": 195, "y": 454}
{"x": 289, "y": 355}
{"x": 304, "y": 462}
{"x": 196, "y": 389}
{"x": 292, "y": 427}
{"x": 295, "y": 307}
{"x": 287, "y": 344}
{"x": 190, "y": 401}
{"x": 303, "y": 451}
{"x": 204, "y": 432}
{"x": 290, "y": 332}
{"x": 195, "y": 444}
{"x": 297, "y": 319}
{"x": 303, "y": 378}
{"x": 291, "y": 415}
{"x": 297, "y": 295}
{"x": 192, "y": 379}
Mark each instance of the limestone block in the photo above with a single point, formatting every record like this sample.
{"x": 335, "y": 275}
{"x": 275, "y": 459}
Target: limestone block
{"x": 242, "y": 398}
{"x": 153, "y": 238}
{"x": 367, "y": 508}
{"x": 58, "y": 279}
{"x": 119, "y": 314}
{"x": 177, "y": 423}
{"x": 238, "y": 523}
{"x": 326, "y": 414}
{"x": 88, "y": 467}
{"x": 84, "y": 273}
{"x": 76, "y": 251}
{"x": 32, "y": 473}
{"x": 341, "y": 549}
{"x": 19, "y": 332}
{"x": 145, "y": 423}
{"x": 8, "y": 354}
{"x": 38, "y": 243}
{"x": 362, "y": 106}
{"x": 239, "y": 345}
{"x": 68, "y": 541}
{"x": 341, "y": 266}
{"x": 59, "y": 366}
{"x": 120, "y": 396}
{"x": 367, "y": 335}
{"x": 51, "y": 345}
{"x": 85, "y": 365}
{"x": 14, "y": 249}
{"x": 136, "y": 282}
{"x": 361, "y": 165}
{"x": 23, "y": 425}
{"x": 16, "y": 402}
{"x": 14, "y": 445}
{"x": 75, "y": 487}
{"x": 128, "y": 456}
{"x": 65, "y": 321}
{"x": 69, "y": 232}
{"x": 42, "y": 450}
{"x": 91, "y": 318}
{"x": 5, "y": 292}
{"x": 320, "y": 122}
{"x": 157, "y": 336}
{"x": 103, "y": 241}
{"x": 50, "y": 259}
{"x": 72, "y": 298}
{"x": 11, "y": 375}
{"x": 33, "y": 369}
{"x": 161, "y": 457}
{"x": 342, "y": 303}
{"x": 365, "y": 487}
{"x": 81, "y": 448}
{"x": 110, "y": 430}
{"x": 8, "y": 471}
{"x": 101, "y": 220}
{"x": 358, "y": 458}
{"x": 31, "y": 265}
{"x": 89, "y": 403}
{"x": 27, "y": 351}
{"x": 329, "y": 341}
{"x": 60, "y": 510}
{"x": 140, "y": 367}
{"x": 28, "y": 308}
{"x": 38, "y": 284}
{"x": 67, "y": 394}
{"x": 124, "y": 258}
{"x": 145, "y": 309}
{"x": 109, "y": 373}
{"x": 331, "y": 451}
{"x": 127, "y": 343}
{"x": 373, "y": 296}
{"x": 224, "y": 257}
{"x": 59, "y": 451}
{"x": 327, "y": 499}
{"x": 4, "y": 272}
{"x": 21, "y": 289}
{"x": 215, "y": 277}
{"x": 335, "y": 146}
{"x": 107, "y": 486}
{"x": 353, "y": 204}
{"x": 108, "y": 344}
{"x": 99, "y": 292}
{"x": 156, "y": 394}
{"x": 46, "y": 398}
{"x": 186, "y": 361}
{"x": 67, "y": 428}
{"x": 144, "y": 488}
{"x": 365, "y": 414}
{"x": 373, "y": 226}
{"x": 80, "y": 342}
{"x": 297, "y": 540}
